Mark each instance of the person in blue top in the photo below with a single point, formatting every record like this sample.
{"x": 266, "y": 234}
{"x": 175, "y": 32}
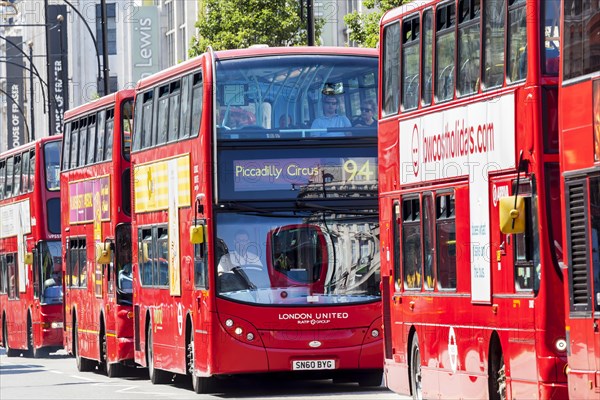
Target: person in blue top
{"x": 330, "y": 118}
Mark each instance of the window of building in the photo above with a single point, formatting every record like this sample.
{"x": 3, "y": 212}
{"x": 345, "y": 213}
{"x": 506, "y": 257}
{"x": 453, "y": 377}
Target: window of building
{"x": 111, "y": 29}
{"x": 581, "y": 30}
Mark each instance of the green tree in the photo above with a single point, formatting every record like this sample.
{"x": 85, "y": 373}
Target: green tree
{"x": 364, "y": 28}
{"x": 234, "y": 24}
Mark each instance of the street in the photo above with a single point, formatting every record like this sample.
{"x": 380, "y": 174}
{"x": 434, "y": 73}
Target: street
{"x": 56, "y": 377}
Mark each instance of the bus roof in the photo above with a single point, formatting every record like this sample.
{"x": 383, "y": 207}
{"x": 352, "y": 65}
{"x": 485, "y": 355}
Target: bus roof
{"x": 252, "y": 51}
{"x": 407, "y": 8}
{"x": 98, "y": 103}
{"x": 28, "y": 145}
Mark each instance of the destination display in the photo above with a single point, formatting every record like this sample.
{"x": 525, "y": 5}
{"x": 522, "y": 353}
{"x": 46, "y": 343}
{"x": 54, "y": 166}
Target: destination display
{"x": 252, "y": 175}
{"x": 244, "y": 175}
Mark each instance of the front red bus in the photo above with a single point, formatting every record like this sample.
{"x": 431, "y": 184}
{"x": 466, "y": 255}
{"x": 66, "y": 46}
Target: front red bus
{"x": 470, "y": 212}
{"x": 95, "y": 184}
{"x": 31, "y": 295}
{"x": 256, "y": 238}
{"x": 579, "y": 116}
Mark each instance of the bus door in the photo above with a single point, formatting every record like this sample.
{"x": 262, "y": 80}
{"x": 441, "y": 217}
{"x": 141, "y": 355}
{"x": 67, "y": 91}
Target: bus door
{"x": 37, "y": 290}
{"x": 502, "y": 261}
{"x": 394, "y": 302}
{"x": 122, "y": 278}
{"x": 200, "y": 329}
{"x": 519, "y": 268}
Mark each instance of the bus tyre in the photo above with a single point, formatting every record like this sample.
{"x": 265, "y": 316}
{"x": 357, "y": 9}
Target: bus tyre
{"x": 415, "y": 369}
{"x": 9, "y": 352}
{"x": 200, "y": 384}
{"x": 83, "y": 364}
{"x": 370, "y": 379}
{"x": 30, "y": 345}
{"x": 32, "y": 351}
{"x": 157, "y": 376}
{"x": 112, "y": 370}
{"x": 497, "y": 377}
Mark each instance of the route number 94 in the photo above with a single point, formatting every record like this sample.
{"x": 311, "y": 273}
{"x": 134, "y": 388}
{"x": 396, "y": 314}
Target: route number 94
{"x": 364, "y": 169}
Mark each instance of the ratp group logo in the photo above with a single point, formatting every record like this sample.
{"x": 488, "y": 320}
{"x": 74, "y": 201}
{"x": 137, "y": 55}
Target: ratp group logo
{"x": 415, "y": 150}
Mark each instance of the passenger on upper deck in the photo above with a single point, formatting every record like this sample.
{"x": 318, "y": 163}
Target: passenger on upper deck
{"x": 330, "y": 118}
{"x": 285, "y": 121}
{"x": 366, "y": 119}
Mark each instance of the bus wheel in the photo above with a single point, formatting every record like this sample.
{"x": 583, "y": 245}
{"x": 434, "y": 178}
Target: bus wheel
{"x": 497, "y": 377}
{"x": 9, "y": 352}
{"x": 199, "y": 383}
{"x": 157, "y": 376}
{"x": 112, "y": 370}
{"x": 83, "y": 364}
{"x": 415, "y": 369}
{"x": 32, "y": 351}
{"x": 30, "y": 345}
{"x": 370, "y": 379}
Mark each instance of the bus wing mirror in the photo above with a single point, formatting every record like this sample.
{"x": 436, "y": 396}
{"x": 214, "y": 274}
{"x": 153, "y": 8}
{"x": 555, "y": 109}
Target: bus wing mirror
{"x": 512, "y": 218}
{"x": 103, "y": 253}
{"x": 28, "y": 259}
{"x": 197, "y": 234}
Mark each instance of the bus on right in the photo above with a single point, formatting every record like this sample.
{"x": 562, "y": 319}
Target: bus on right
{"x": 579, "y": 121}
{"x": 470, "y": 198}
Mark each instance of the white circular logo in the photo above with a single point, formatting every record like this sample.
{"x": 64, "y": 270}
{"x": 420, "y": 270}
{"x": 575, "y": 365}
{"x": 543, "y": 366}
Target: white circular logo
{"x": 452, "y": 349}
{"x": 415, "y": 150}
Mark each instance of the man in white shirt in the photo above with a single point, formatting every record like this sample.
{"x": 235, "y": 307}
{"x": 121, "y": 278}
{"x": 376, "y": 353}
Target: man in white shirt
{"x": 330, "y": 118}
{"x": 240, "y": 256}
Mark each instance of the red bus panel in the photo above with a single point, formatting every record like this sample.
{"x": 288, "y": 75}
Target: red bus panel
{"x": 579, "y": 116}
{"x": 279, "y": 188}
{"x": 467, "y": 124}
{"x": 31, "y": 294}
{"x": 95, "y": 189}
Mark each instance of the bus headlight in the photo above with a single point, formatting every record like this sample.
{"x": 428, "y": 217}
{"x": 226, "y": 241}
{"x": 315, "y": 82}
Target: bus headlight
{"x": 238, "y": 331}
{"x": 229, "y": 323}
{"x": 56, "y": 325}
{"x": 375, "y": 333}
{"x": 561, "y": 345}
{"x": 250, "y": 336}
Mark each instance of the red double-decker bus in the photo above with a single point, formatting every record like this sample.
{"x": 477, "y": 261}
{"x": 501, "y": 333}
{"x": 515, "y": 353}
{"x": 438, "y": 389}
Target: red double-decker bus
{"x": 579, "y": 116}
{"x": 95, "y": 184}
{"x": 255, "y": 229}
{"x": 470, "y": 214}
{"x": 31, "y": 295}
